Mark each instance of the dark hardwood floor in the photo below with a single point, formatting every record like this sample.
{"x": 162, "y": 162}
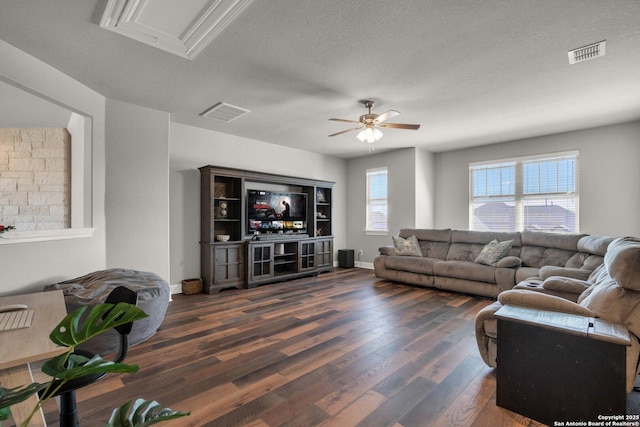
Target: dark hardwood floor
{"x": 340, "y": 349}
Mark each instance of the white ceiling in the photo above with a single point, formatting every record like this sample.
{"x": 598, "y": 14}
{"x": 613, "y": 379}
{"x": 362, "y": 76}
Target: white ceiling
{"x": 470, "y": 72}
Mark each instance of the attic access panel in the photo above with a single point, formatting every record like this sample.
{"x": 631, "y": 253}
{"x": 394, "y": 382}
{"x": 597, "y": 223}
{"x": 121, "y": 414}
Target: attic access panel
{"x": 183, "y": 28}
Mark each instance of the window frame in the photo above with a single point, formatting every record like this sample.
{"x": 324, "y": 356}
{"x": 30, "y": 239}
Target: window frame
{"x": 369, "y": 229}
{"x": 517, "y": 194}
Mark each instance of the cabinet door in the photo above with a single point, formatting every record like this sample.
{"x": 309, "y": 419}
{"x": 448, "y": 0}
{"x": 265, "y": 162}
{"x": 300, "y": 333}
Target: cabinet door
{"x": 324, "y": 253}
{"x": 260, "y": 261}
{"x": 307, "y": 255}
{"x": 228, "y": 264}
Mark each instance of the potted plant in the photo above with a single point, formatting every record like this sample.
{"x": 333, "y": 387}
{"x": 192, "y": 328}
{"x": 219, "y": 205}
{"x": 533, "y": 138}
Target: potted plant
{"x": 70, "y": 333}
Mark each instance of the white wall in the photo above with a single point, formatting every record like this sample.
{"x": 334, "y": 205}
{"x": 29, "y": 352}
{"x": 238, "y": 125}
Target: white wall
{"x": 26, "y": 267}
{"x": 609, "y": 177}
{"x": 410, "y": 190}
{"x": 193, "y": 147}
{"x": 137, "y": 188}
{"x": 425, "y": 189}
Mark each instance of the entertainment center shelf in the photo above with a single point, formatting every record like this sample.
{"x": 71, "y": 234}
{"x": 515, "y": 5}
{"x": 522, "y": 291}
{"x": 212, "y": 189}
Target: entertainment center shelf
{"x": 259, "y": 228}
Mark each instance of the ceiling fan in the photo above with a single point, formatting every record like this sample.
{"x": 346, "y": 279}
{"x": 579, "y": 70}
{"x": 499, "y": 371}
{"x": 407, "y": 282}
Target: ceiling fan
{"x": 370, "y": 122}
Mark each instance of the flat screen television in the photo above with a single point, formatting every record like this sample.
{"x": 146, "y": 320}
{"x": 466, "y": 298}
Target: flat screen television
{"x": 276, "y": 212}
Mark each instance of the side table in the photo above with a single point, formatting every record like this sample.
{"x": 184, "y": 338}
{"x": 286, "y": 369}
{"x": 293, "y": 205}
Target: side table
{"x": 558, "y": 367}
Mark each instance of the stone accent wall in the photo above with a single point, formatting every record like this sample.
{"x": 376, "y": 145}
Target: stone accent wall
{"x": 35, "y": 178}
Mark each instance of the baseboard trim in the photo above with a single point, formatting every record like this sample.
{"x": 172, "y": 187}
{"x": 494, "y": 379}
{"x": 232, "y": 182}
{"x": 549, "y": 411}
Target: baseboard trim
{"x": 176, "y": 288}
{"x": 367, "y": 265}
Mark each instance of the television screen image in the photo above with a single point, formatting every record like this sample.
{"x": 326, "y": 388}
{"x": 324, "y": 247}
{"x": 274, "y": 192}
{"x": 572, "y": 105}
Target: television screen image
{"x": 276, "y": 211}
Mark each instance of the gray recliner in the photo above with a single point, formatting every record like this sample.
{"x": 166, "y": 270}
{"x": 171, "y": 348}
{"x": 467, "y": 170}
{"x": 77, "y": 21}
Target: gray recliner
{"x": 611, "y": 292}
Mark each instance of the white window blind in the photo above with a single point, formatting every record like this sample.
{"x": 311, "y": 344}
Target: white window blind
{"x": 529, "y": 193}
{"x": 377, "y": 200}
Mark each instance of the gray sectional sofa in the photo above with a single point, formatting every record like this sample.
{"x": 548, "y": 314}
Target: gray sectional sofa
{"x": 447, "y": 259}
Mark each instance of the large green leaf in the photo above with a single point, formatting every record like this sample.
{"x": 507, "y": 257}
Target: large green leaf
{"x": 4, "y": 414}
{"x": 79, "y": 366}
{"x": 69, "y": 333}
{"x": 11, "y": 396}
{"x": 142, "y": 413}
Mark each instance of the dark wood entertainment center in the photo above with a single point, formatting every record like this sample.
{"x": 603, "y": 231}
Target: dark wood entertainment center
{"x": 248, "y": 259}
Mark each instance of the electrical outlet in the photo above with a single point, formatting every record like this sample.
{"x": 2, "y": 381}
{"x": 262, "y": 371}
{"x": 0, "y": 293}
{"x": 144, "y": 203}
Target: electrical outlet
{"x": 360, "y": 252}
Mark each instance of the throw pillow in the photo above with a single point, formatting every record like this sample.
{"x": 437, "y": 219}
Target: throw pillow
{"x": 407, "y": 247}
{"x": 493, "y": 252}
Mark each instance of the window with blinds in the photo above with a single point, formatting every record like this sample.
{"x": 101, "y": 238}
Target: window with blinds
{"x": 529, "y": 193}
{"x": 377, "y": 200}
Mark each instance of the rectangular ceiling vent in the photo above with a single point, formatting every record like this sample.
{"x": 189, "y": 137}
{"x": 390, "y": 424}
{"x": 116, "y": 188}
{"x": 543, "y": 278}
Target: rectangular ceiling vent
{"x": 585, "y": 53}
{"x": 225, "y": 112}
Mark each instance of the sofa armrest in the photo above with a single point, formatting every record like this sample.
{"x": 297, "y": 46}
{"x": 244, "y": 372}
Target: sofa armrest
{"x": 387, "y": 250}
{"x": 524, "y": 298}
{"x": 575, "y": 273}
{"x": 509, "y": 262}
{"x": 565, "y": 284}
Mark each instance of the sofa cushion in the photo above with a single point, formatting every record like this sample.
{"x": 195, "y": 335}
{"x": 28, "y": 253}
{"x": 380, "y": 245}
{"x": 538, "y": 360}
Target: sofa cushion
{"x": 596, "y": 245}
{"x": 466, "y": 245}
{"x": 464, "y": 252}
{"x": 623, "y": 262}
{"x": 551, "y": 240}
{"x": 523, "y": 273}
{"x": 407, "y": 247}
{"x": 615, "y": 304}
{"x": 387, "y": 250}
{"x": 434, "y": 235}
{"x": 550, "y": 270}
{"x": 493, "y": 252}
{"x": 584, "y": 260}
{"x": 509, "y": 262}
{"x": 432, "y": 249}
{"x": 565, "y": 284}
{"x": 539, "y": 256}
{"x": 484, "y": 237}
{"x": 418, "y": 265}
{"x": 526, "y": 298}
{"x": 465, "y": 270}
{"x": 433, "y": 243}
{"x": 591, "y": 252}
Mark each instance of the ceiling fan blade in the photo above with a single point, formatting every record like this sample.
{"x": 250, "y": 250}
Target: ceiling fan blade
{"x": 345, "y": 131}
{"x": 387, "y": 115}
{"x": 399, "y": 126}
{"x": 345, "y": 120}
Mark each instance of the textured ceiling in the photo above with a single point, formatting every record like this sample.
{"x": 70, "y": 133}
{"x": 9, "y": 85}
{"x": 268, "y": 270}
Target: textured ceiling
{"x": 470, "y": 72}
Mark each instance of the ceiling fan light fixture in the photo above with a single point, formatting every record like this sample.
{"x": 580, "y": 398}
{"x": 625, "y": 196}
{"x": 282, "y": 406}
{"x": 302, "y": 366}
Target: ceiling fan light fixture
{"x": 368, "y": 125}
{"x": 370, "y": 135}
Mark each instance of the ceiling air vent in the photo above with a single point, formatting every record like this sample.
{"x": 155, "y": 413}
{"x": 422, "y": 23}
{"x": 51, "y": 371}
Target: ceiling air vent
{"x": 585, "y": 53}
{"x": 224, "y": 112}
